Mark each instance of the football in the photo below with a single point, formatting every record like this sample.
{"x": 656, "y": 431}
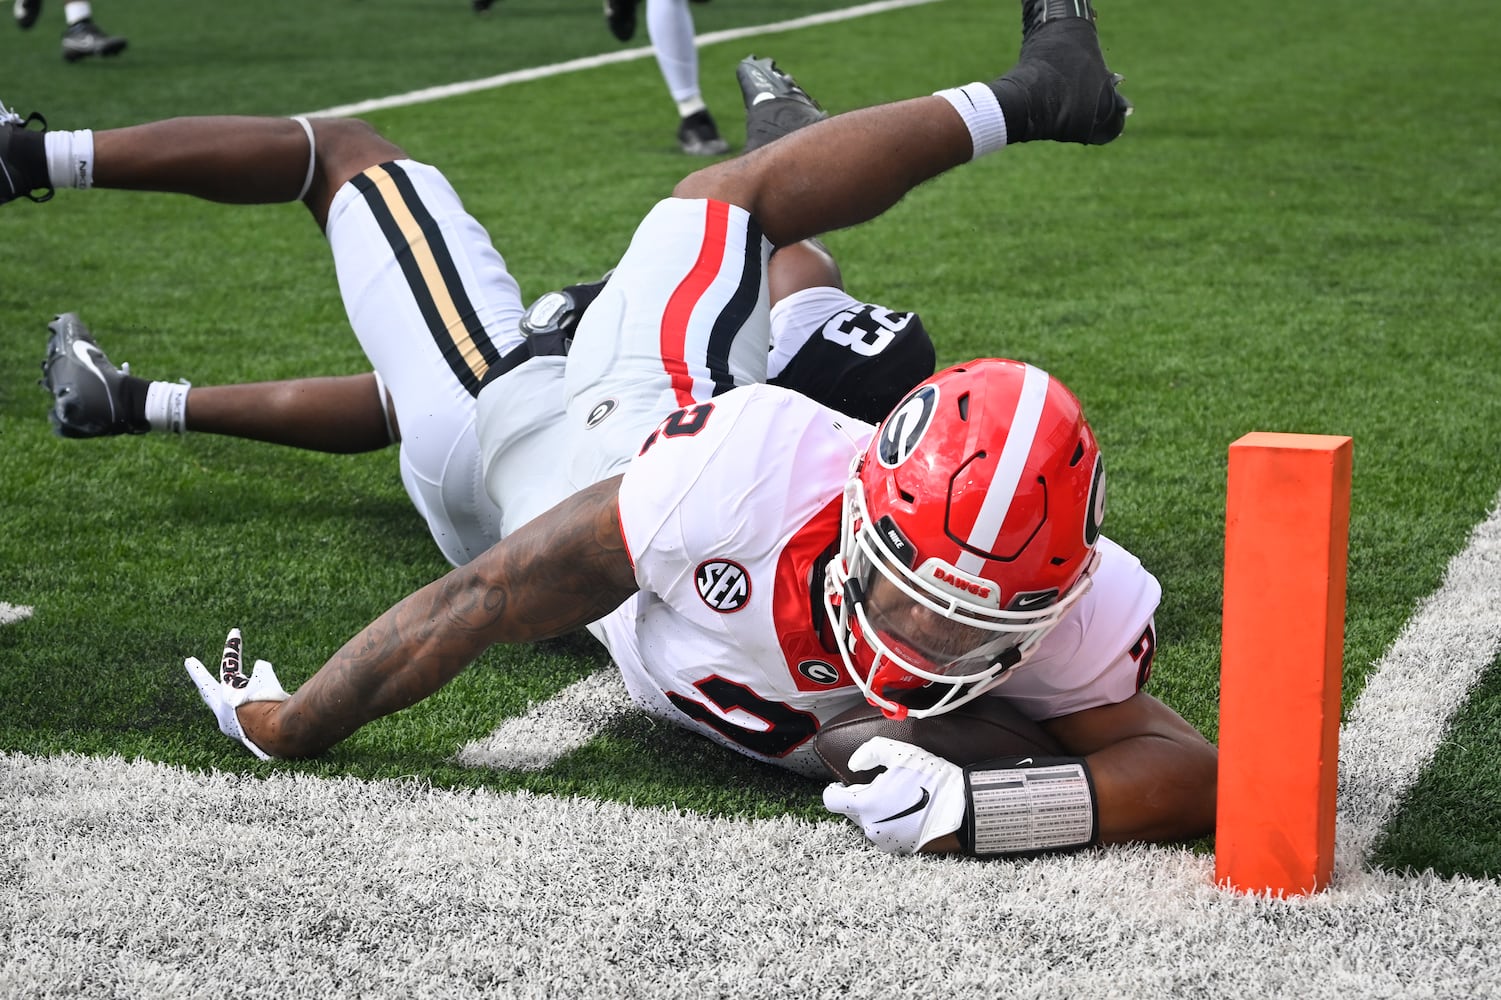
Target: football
{"x": 984, "y": 729}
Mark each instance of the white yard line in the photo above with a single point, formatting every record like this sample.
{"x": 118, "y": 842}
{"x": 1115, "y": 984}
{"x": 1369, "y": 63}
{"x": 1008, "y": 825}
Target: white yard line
{"x": 1397, "y": 722}
{"x": 14, "y": 613}
{"x": 553, "y": 728}
{"x": 591, "y": 62}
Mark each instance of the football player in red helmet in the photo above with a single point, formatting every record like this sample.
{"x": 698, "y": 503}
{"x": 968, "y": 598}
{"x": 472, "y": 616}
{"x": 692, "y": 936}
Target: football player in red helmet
{"x": 969, "y": 531}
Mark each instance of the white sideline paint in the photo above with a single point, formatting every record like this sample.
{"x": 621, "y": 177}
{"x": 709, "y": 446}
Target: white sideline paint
{"x": 141, "y": 879}
{"x": 10, "y": 613}
{"x": 1397, "y": 722}
{"x": 591, "y": 62}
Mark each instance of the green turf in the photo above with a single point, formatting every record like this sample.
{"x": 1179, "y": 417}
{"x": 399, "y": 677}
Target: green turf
{"x": 1299, "y": 232}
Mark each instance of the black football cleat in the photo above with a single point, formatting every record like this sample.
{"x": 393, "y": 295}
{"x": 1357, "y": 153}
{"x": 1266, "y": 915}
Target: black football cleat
{"x": 699, "y": 136}
{"x": 88, "y": 396}
{"x": 26, "y": 12}
{"x": 84, "y": 39}
{"x": 1070, "y": 94}
{"x": 774, "y": 103}
{"x": 23, "y": 160}
{"x": 620, "y": 15}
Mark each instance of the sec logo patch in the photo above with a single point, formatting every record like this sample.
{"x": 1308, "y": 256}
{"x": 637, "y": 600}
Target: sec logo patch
{"x": 723, "y": 585}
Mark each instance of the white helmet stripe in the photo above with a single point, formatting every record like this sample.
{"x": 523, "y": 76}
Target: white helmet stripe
{"x": 1008, "y": 470}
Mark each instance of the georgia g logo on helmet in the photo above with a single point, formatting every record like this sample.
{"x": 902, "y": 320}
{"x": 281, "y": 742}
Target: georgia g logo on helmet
{"x": 903, "y": 431}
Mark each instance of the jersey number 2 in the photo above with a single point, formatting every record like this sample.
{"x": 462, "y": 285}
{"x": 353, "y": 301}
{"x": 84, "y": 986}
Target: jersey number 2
{"x": 681, "y": 423}
{"x": 786, "y": 729}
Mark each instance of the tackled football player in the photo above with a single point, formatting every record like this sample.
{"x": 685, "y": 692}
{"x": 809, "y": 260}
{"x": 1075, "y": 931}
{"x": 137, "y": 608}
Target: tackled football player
{"x": 762, "y": 566}
{"x": 858, "y": 357}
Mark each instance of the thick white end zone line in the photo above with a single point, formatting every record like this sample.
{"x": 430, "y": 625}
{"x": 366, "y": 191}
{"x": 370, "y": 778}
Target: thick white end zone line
{"x": 1397, "y": 722}
{"x": 143, "y": 879}
{"x": 590, "y": 62}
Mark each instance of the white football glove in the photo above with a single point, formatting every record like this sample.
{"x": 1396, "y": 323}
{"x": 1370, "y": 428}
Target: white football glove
{"x": 233, "y": 689}
{"x": 917, "y": 799}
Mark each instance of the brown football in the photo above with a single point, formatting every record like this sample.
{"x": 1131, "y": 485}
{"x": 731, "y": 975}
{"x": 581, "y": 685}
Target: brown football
{"x": 984, "y": 729}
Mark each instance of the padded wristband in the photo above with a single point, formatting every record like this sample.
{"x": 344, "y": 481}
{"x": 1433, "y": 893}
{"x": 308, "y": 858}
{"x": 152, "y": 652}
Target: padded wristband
{"x": 1027, "y": 806}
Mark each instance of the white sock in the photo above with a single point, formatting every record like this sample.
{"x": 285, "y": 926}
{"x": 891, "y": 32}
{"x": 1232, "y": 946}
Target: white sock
{"x": 70, "y": 158}
{"x": 981, "y": 111}
{"x": 691, "y": 107}
{"x": 77, "y": 10}
{"x": 167, "y": 406}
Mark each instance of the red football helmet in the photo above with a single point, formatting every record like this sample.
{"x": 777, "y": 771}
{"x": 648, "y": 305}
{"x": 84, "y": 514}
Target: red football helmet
{"x": 969, "y": 531}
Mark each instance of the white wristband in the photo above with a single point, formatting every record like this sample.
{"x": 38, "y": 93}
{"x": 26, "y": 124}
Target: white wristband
{"x": 981, "y": 111}
{"x": 1027, "y": 806}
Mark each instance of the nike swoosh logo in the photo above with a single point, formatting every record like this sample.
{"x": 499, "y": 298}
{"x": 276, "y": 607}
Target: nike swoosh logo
{"x": 1023, "y": 762}
{"x": 917, "y": 806}
{"x": 81, "y": 352}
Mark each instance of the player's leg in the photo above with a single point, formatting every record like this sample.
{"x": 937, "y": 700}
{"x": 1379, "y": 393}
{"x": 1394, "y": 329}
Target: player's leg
{"x": 434, "y": 307}
{"x": 94, "y": 398}
{"x": 428, "y": 296}
{"x": 669, "y": 25}
{"x": 224, "y": 159}
{"x": 857, "y": 357}
{"x": 339, "y": 414}
{"x": 824, "y": 177}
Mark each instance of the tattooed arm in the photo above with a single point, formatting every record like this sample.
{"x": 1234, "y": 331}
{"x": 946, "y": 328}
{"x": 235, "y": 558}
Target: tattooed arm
{"x": 561, "y": 571}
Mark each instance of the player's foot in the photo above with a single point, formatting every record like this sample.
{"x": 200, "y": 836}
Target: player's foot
{"x": 26, "y": 12}
{"x": 480, "y": 6}
{"x": 774, "y": 103}
{"x": 23, "y": 158}
{"x": 88, "y": 397}
{"x": 1060, "y": 80}
{"x": 620, "y": 15}
{"x": 84, "y": 39}
{"x": 699, "y": 136}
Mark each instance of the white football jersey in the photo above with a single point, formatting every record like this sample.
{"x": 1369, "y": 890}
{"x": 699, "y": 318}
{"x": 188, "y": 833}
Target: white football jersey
{"x": 730, "y": 512}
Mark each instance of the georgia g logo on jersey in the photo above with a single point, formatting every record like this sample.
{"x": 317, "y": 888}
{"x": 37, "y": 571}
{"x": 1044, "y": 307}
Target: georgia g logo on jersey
{"x": 723, "y": 585}
{"x": 904, "y": 429}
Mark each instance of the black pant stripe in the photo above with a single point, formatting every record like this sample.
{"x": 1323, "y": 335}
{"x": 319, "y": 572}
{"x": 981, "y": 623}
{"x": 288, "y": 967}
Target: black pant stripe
{"x": 739, "y": 308}
{"x": 424, "y": 258}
